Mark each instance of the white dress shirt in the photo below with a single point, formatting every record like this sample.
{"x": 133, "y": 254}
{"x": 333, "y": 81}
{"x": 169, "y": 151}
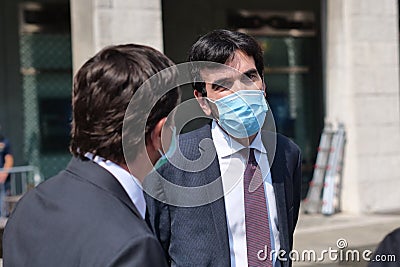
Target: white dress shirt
{"x": 233, "y": 163}
{"x": 131, "y": 185}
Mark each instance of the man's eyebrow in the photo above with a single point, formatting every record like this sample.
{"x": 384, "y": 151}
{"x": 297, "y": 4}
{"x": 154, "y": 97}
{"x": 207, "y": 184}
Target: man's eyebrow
{"x": 224, "y": 81}
{"x": 219, "y": 82}
{"x": 250, "y": 72}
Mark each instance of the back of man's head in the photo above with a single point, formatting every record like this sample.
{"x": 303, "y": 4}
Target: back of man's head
{"x": 219, "y": 46}
{"x": 102, "y": 91}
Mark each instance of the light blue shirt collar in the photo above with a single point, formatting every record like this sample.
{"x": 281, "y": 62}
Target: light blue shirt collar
{"x": 130, "y": 183}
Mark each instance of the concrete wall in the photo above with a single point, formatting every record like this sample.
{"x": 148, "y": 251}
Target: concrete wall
{"x": 362, "y": 79}
{"x": 98, "y": 23}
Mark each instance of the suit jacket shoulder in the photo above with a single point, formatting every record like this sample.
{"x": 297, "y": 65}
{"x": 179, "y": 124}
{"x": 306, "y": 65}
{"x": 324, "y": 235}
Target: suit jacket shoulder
{"x": 81, "y": 217}
{"x": 271, "y": 139}
{"x": 388, "y": 248}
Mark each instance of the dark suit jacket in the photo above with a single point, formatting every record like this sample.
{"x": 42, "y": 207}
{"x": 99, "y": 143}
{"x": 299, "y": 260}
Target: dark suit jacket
{"x": 198, "y": 236}
{"x": 81, "y": 217}
{"x": 387, "y": 254}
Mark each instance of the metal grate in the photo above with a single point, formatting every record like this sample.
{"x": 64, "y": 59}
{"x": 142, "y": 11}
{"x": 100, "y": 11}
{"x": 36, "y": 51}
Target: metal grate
{"x": 46, "y": 68}
{"x": 21, "y": 179}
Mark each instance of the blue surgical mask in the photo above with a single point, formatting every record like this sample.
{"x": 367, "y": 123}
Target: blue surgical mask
{"x": 171, "y": 150}
{"x": 242, "y": 113}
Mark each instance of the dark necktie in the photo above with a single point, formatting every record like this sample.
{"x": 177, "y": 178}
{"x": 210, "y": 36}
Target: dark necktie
{"x": 256, "y": 216}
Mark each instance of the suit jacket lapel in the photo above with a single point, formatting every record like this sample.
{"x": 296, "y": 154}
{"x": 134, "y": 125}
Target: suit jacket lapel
{"x": 100, "y": 177}
{"x": 279, "y": 173}
{"x": 280, "y": 196}
{"x": 218, "y": 206}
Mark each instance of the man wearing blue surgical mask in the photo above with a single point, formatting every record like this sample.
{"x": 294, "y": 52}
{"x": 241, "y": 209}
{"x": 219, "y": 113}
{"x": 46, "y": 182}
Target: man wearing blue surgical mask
{"x": 259, "y": 171}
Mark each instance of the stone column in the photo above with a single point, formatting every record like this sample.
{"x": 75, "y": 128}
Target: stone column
{"x": 98, "y": 23}
{"x": 362, "y": 91}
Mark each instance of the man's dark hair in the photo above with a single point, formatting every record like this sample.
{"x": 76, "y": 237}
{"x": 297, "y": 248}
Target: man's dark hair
{"x": 219, "y": 46}
{"x": 102, "y": 91}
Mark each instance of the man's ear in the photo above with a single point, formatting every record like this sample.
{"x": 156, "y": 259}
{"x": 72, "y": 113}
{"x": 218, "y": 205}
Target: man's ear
{"x": 202, "y": 102}
{"x": 155, "y": 136}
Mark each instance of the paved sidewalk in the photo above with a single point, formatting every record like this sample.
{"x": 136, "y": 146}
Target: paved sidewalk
{"x": 358, "y": 233}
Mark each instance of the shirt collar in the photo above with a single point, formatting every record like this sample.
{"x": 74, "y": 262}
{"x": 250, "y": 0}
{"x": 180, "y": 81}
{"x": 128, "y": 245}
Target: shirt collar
{"x": 130, "y": 183}
{"x": 227, "y": 146}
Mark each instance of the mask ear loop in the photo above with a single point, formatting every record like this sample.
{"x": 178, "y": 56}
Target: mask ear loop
{"x": 264, "y": 87}
{"x": 212, "y": 108}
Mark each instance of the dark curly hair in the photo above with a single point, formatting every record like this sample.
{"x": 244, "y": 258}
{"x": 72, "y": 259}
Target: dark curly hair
{"x": 102, "y": 91}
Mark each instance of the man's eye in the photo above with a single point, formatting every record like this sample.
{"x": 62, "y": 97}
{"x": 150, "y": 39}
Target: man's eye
{"x": 221, "y": 87}
{"x": 253, "y": 76}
